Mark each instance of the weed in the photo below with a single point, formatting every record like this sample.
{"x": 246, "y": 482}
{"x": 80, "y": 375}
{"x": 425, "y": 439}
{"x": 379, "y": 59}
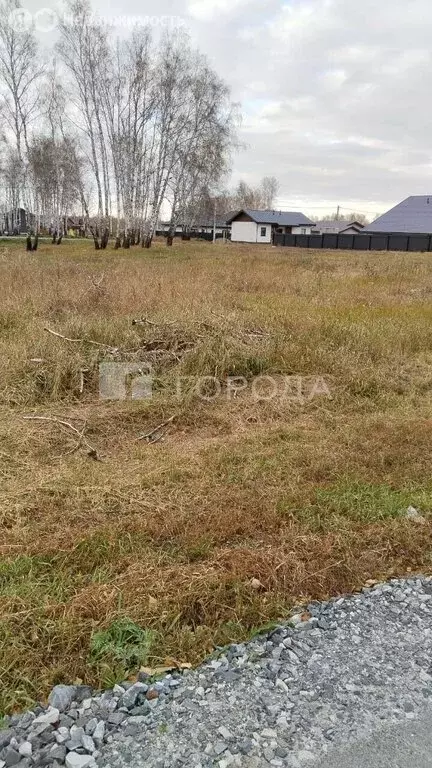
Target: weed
{"x": 122, "y": 642}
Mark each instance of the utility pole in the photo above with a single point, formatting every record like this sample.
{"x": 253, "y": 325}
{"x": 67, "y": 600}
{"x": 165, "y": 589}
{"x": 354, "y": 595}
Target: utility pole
{"x": 214, "y": 222}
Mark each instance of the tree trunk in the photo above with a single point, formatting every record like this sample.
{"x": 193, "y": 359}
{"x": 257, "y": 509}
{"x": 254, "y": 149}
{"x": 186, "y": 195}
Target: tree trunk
{"x": 95, "y": 237}
{"x": 105, "y": 238}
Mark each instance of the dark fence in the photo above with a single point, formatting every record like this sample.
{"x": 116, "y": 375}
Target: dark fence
{"x": 197, "y": 235}
{"x": 358, "y": 242}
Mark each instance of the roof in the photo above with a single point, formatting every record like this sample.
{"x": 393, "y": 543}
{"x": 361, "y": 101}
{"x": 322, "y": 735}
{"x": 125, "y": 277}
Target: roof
{"x": 413, "y": 215}
{"x": 280, "y": 218}
{"x": 338, "y": 224}
{"x": 229, "y": 216}
{"x": 221, "y": 220}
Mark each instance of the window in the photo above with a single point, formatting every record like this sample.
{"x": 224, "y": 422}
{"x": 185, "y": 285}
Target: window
{"x": 263, "y": 231}
{"x": 303, "y": 230}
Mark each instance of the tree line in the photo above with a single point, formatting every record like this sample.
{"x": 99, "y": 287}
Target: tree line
{"x": 120, "y": 129}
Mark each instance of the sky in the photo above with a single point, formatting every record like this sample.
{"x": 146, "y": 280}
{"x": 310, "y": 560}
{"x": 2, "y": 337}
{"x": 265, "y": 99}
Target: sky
{"x": 335, "y": 95}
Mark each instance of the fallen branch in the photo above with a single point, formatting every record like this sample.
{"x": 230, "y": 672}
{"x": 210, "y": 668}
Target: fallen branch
{"x": 150, "y": 436}
{"x": 81, "y": 341}
{"x": 92, "y": 452}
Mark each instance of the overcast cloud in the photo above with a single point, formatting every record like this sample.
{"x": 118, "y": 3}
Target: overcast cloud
{"x": 335, "y": 94}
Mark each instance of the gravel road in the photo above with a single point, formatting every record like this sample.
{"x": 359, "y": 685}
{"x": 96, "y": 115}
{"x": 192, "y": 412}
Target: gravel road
{"x": 302, "y": 696}
{"x": 346, "y": 684}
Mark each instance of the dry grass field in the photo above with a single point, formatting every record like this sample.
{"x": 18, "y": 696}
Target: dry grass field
{"x": 248, "y": 504}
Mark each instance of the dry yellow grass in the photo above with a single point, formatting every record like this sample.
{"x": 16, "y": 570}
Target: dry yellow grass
{"x": 305, "y": 497}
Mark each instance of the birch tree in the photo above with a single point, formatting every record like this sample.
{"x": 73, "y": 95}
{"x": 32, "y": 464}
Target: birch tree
{"x": 19, "y": 75}
{"x": 136, "y": 137}
{"x": 155, "y": 117}
{"x": 194, "y": 124}
{"x": 204, "y": 152}
{"x": 19, "y": 72}
{"x": 269, "y": 192}
{"x": 56, "y": 183}
{"x": 84, "y": 50}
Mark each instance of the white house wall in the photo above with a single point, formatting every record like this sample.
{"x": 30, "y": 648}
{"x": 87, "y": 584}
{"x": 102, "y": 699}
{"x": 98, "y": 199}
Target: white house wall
{"x": 301, "y": 230}
{"x": 249, "y": 232}
{"x": 268, "y": 236}
{"x": 244, "y": 232}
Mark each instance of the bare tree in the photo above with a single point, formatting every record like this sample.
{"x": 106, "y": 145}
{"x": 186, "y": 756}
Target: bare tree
{"x": 12, "y": 179}
{"x": 360, "y": 217}
{"x": 55, "y": 166}
{"x": 156, "y": 120}
{"x": 203, "y": 153}
{"x": 135, "y": 140}
{"x": 19, "y": 72}
{"x": 246, "y": 196}
{"x": 269, "y": 192}
{"x": 19, "y": 75}
{"x": 262, "y": 196}
{"x": 56, "y": 183}
{"x": 84, "y": 50}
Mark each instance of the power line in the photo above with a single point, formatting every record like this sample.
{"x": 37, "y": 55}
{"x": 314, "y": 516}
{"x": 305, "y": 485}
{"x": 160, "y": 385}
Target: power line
{"x": 356, "y": 210}
{"x": 329, "y": 207}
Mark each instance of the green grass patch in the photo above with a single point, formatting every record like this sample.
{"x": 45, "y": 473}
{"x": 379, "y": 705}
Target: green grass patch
{"x": 369, "y": 502}
{"x": 37, "y": 579}
{"x": 355, "y": 501}
{"x": 120, "y": 649}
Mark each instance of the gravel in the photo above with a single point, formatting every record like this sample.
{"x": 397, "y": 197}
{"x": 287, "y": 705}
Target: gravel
{"x": 286, "y": 698}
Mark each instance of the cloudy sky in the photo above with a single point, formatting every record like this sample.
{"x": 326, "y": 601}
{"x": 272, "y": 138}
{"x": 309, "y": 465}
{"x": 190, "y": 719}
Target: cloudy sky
{"x": 335, "y": 94}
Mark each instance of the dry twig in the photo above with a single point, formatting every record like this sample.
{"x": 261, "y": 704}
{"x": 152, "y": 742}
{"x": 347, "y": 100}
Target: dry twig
{"x": 81, "y": 341}
{"x": 92, "y": 452}
{"x": 153, "y": 437}
{"x": 82, "y": 373}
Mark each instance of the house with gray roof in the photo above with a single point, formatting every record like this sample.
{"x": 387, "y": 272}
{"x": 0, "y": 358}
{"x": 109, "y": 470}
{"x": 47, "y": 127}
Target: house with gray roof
{"x": 337, "y": 227}
{"x": 251, "y": 226}
{"x": 412, "y": 216}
